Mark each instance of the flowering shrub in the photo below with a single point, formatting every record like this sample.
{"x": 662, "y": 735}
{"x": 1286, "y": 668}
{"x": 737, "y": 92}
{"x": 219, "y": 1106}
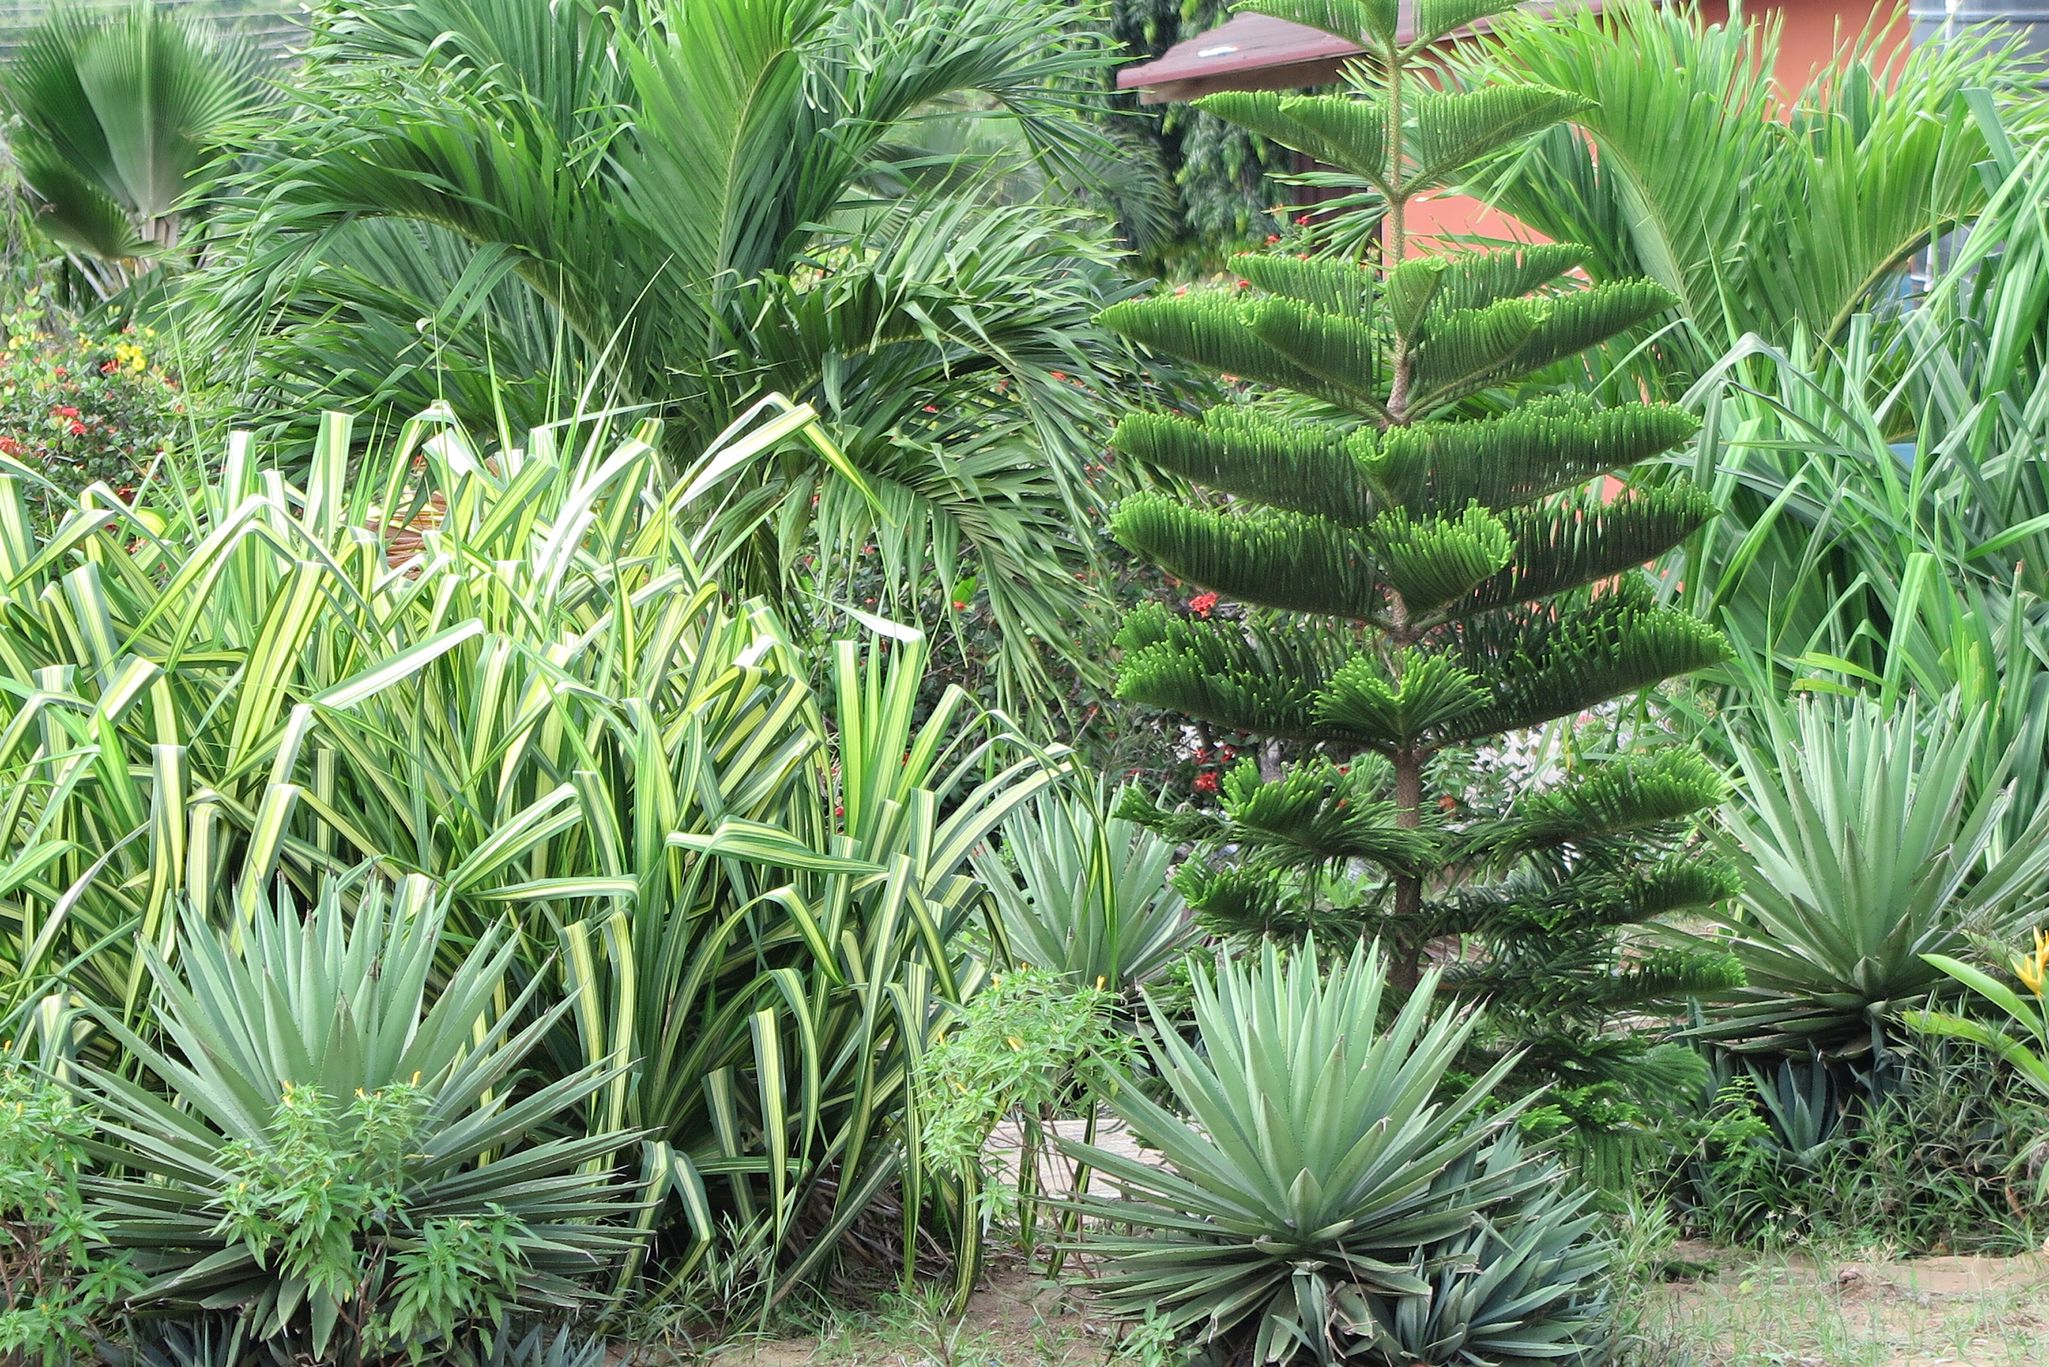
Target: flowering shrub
{"x": 81, "y": 408}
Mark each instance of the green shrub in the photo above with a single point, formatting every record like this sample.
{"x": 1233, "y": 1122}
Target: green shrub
{"x": 61, "y": 1282}
{"x": 1937, "y": 1162}
{"x": 336, "y": 1139}
{"x": 1315, "y": 1199}
{"x": 81, "y": 409}
{"x": 1028, "y": 1046}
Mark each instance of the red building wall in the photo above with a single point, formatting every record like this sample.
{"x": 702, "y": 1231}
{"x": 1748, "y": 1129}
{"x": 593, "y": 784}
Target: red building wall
{"x": 1810, "y": 35}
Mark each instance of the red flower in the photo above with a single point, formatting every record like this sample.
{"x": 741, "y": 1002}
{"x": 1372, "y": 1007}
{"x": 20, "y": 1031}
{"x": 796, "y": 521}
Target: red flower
{"x": 67, "y": 412}
{"x": 1201, "y": 604}
{"x": 58, "y": 371}
{"x": 1205, "y": 782}
{"x": 1227, "y": 753}
{"x": 110, "y": 367}
{"x": 77, "y": 428}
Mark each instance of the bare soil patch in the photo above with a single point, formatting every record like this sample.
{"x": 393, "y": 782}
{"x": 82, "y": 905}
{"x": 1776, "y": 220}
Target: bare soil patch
{"x": 1811, "y": 1312}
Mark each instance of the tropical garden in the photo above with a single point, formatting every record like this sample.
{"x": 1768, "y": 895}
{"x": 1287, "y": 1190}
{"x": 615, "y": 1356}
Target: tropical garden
{"x": 773, "y": 680}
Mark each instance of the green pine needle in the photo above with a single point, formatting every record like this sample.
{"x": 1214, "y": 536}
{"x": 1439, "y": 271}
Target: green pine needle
{"x": 1297, "y": 464}
{"x": 1537, "y": 448}
{"x": 1574, "y": 542}
{"x": 1276, "y": 559}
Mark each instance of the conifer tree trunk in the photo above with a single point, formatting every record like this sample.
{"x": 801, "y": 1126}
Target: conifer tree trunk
{"x": 1406, "y": 961}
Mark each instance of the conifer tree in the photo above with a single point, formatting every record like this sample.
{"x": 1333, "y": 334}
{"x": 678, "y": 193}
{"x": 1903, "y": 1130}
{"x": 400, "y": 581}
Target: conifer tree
{"x": 1419, "y": 536}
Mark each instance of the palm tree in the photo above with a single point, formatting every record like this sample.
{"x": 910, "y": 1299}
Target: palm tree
{"x": 117, "y": 121}
{"x": 1770, "y": 211}
{"x": 480, "y": 200}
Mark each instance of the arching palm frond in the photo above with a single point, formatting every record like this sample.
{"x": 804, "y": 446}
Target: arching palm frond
{"x": 1766, "y": 209}
{"x": 687, "y": 196}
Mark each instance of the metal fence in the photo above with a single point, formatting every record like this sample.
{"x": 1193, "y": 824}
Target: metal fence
{"x": 274, "y": 24}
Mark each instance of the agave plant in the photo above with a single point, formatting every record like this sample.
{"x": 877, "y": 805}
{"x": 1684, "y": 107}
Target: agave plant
{"x": 1316, "y": 1198}
{"x": 1527, "y": 1285}
{"x": 239, "y": 1173}
{"x": 220, "y": 1341}
{"x": 1079, "y": 893}
{"x": 118, "y": 117}
{"x": 1866, "y": 842}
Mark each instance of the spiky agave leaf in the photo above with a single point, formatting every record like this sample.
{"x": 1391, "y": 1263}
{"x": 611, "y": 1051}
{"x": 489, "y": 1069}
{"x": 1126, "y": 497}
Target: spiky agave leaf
{"x": 341, "y": 1002}
{"x": 1083, "y": 893}
{"x": 1865, "y": 846}
{"x": 1308, "y": 1161}
{"x": 1527, "y": 1287}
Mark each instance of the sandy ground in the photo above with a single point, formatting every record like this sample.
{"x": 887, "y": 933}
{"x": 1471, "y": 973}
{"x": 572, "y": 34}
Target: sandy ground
{"x": 1798, "y": 1310}
{"x": 1013, "y": 1320}
{"x": 1933, "y": 1312}
{"x": 1804, "y": 1312}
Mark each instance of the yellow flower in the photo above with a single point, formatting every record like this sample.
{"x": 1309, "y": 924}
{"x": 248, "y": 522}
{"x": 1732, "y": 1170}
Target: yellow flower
{"x": 2033, "y": 969}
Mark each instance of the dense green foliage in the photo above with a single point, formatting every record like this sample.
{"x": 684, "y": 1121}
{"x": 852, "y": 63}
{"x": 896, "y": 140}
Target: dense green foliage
{"x": 714, "y": 202}
{"x": 540, "y": 870}
{"x": 1693, "y": 140}
{"x": 540, "y": 707}
{"x": 1426, "y": 564}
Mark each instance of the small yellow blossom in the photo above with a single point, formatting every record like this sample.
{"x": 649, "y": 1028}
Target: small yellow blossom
{"x": 2033, "y": 969}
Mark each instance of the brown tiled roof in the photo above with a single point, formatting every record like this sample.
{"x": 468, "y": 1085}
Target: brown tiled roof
{"x": 1245, "y": 42}
{"x": 1261, "y": 53}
